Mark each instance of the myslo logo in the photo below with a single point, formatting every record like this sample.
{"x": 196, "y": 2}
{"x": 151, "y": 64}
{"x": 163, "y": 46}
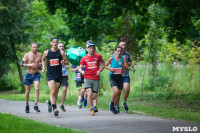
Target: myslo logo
{"x": 184, "y": 129}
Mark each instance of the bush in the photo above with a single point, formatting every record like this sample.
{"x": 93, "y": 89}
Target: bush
{"x": 6, "y": 84}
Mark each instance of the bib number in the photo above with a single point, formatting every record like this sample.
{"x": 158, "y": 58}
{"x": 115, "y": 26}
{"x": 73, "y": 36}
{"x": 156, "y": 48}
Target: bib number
{"x": 54, "y": 62}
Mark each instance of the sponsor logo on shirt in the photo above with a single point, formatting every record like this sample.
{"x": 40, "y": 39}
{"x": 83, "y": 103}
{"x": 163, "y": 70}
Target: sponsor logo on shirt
{"x": 54, "y": 62}
{"x": 92, "y": 65}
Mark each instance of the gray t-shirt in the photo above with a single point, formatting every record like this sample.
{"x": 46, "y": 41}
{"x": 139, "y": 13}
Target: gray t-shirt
{"x": 128, "y": 59}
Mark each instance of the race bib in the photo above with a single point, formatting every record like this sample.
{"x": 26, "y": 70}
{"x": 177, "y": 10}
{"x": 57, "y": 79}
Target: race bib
{"x": 92, "y": 65}
{"x": 78, "y": 76}
{"x": 54, "y": 62}
{"x": 118, "y": 71}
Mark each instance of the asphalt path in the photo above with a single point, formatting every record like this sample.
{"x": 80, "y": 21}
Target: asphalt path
{"x": 102, "y": 122}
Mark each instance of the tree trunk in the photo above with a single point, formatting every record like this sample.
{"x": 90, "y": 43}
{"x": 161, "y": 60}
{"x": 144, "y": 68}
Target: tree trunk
{"x": 18, "y": 67}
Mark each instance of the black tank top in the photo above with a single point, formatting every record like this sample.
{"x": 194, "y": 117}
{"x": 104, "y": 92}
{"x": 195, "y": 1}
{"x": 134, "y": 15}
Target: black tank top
{"x": 54, "y": 67}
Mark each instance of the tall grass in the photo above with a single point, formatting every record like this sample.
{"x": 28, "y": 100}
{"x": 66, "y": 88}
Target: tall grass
{"x": 171, "y": 79}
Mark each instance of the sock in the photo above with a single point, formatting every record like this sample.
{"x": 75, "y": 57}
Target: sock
{"x": 124, "y": 101}
{"x": 27, "y": 104}
{"x": 35, "y": 104}
{"x": 117, "y": 105}
{"x": 61, "y": 105}
{"x": 54, "y": 106}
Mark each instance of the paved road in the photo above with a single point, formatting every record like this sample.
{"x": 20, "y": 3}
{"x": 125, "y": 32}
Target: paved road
{"x": 102, "y": 122}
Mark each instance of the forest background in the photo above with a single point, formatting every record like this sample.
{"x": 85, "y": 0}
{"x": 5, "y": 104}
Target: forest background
{"x": 162, "y": 38}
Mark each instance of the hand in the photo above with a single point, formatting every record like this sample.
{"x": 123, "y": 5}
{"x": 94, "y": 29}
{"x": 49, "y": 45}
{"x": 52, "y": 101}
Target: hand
{"x": 43, "y": 69}
{"x": 98, "y": 72}
{"x": 83, "y": 73}
{"x": 121, "y": 64}
{"x": 62, "y": 63}
{"x": 112, "y": 69}
{"x": 66, "y": 66}
{"x": 33, "y": 65}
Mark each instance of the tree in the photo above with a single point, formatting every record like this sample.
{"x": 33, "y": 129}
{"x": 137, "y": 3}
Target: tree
{"x": 12, "y": 34}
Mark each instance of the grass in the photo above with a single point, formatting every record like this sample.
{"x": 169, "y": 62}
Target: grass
{"x": 11, "y": 123}
{"x": 180, "y": 101}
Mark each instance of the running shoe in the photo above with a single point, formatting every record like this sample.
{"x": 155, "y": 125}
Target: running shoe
{"x": 95, "y": 109}
{"x": 79, "y": 103}
{"x": 112, "y": 108}
{"x": 27, "y": 109}
{"x": 125, "y": 106}
{"x": 92, "y": 112}
{"x": 117, "y": 109}
{"x": 84, "y": 102}
{"x": 36, "y": 108}
{"x": 62, "y": 108}
{"x": 49, "y": 106}
{"x": 55, "y": 112}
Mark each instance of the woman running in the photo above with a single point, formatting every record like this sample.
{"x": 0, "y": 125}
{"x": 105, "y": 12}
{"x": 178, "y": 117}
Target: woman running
{"x": 118, "y": 63}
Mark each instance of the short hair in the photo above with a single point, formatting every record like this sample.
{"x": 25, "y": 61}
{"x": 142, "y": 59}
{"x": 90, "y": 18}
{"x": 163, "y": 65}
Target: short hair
{"x": 34, "y": 43}
{"x": 54, "y": 38}
{"x": 118, "y": 47}
{"x": 122, "y": 41}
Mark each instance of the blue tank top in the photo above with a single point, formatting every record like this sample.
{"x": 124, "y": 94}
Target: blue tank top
{"x": 117, "y": 67}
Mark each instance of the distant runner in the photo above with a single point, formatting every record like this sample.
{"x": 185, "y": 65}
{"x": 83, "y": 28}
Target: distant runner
{"x": 64, "y": 79}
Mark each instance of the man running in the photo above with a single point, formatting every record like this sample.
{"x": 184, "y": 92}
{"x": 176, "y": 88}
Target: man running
{"x": 126, "y": 76}
{"x": 91, "y": 74}
{"x": 54, "y": 57}
{"x": 64, "y": 80}
{"x": 32, "y": 61}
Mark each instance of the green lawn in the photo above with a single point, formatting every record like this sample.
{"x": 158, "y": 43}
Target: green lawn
{"x": 15, "y": 124}
{"x": 173, "y": 108}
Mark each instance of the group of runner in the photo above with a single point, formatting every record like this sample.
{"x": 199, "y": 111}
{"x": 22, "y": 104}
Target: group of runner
{"x": 87, "y": 75}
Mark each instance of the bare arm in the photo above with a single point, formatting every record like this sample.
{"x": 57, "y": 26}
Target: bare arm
{"x": 74, "y": 69}
{"x": 43, "y": 60}
{"x": 66, "y": 62}
{"x": 80, "y": 70}
{"x": 125, "y": 66}
{"x": 108, "y": 62}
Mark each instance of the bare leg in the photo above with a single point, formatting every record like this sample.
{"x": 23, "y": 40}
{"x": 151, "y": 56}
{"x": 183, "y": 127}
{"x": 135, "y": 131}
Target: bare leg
{"x": 54, "y": 88}
{"x": 127, "y": 90}
{"x": 89, "y": 97}
{"x": 116, "y": 102}
{"x": 28, "y": 88}
{"x": 94, "y": 98}
{"x": 115, "y": 93}
{"x": 36, "y": 84}
{"x": 64, "y": 93}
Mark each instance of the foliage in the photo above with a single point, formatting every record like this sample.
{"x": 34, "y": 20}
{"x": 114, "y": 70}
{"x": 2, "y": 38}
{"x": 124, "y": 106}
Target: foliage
{"x": 45, "y": 26}
{"x": 7, "y": 84}
{"x": 12, "y": 26}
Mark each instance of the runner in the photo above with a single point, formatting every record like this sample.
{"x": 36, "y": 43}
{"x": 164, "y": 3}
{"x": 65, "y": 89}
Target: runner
{"x": 91, "y": 74}
{"x": 79, "y": 79}
{"x": 126, "y": 76}
{"x": 54, "y": 57}
{"x": 118, "y": 63}
{"x": 64, "y": 80}
{"x": 32, "y": 61}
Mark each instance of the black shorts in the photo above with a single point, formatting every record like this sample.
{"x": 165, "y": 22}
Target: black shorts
{"x": 65, "y": 81}
{"x": 116, "y": 80}
{"x": 59, "y": 80}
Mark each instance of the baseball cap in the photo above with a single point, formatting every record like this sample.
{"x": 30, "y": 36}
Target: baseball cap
{"x": 89, "y": 43}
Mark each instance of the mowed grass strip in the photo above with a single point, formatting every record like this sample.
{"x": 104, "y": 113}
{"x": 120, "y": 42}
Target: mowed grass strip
{"x": 15, "y": 124}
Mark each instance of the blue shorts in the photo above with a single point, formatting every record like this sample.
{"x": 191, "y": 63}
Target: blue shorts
{"x": 127, "y": 79}
{"x": 29, "y": 78}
